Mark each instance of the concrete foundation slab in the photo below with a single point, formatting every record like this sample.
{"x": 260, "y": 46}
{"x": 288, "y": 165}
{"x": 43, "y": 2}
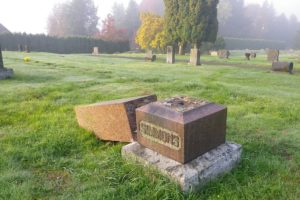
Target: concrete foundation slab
{"x": 192, "y": 175}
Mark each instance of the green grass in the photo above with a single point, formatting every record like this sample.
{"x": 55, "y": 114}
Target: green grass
{"x": 45, "y": 155}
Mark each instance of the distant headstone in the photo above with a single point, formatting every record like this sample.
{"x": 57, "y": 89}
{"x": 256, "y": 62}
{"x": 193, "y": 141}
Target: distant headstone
{"x": 96, "y": 51}
{"x": 253, "y": 55}
{"x": 4, "y": 72}
{"x": 283, "y": 66}
{"x": 150, "y": 56}
{"x": 195, "y": 57}
{"x": 170, "y": 55}
{"x": 273, "y": 55}
{"x": 213, "y": 53}
{"x": 247, "y": 55}
{"x": 112, "y": 120}
{"x": 20, "y": 47}
{"x": 223, "y": 54}
{"x": 26, "y": 49}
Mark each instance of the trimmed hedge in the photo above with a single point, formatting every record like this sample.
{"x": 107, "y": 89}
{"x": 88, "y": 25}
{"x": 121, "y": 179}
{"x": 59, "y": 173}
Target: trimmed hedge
{"x": 255, "y": 44}
{"x": 44, "y": 43}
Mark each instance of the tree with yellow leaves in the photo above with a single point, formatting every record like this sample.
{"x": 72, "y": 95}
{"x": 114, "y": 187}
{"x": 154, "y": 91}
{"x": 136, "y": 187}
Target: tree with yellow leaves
{"x": 151, "y": 34}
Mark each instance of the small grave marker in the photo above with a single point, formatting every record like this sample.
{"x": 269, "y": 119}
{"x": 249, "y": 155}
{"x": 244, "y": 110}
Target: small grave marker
{"x": 4, "y": 72}
{"x": 223, "y": 54}
{"x": 273, "y": 55}
{"x": 195, "y": 57}
{"x": 170, "y": 55}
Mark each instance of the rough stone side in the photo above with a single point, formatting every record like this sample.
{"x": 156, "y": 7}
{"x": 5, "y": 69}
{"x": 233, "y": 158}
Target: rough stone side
{"x": 193, "y": 175}
{"x": 223, "y": 54}
{"x": 195, "y": 57}
{"x": 112, "y": 120}
{"x": 170, "y": 55}
{"x": 273, "y": 55}
{"x": 6, "y": 73}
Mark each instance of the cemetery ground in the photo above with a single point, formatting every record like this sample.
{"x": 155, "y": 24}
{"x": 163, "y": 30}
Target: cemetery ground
{"x": 45, "y": 155}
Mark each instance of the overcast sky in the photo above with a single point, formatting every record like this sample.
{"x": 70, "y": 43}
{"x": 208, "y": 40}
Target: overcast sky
{"x": 31, "y": 15}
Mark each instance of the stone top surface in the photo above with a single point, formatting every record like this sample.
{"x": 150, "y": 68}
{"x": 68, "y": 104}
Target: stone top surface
{"x": 121, "y": 101}
{"x": 182, "y": 104}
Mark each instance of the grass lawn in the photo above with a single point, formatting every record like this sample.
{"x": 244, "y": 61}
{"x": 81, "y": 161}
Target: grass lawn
{"x": 45, "y": 155}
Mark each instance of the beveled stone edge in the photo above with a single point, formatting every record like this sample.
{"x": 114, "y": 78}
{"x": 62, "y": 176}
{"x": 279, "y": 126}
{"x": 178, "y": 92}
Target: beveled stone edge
{"x": 183, "y": 174}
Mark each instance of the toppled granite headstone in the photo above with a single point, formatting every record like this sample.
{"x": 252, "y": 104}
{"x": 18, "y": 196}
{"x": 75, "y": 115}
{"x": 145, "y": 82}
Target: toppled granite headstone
{"x": 112, "y": 120}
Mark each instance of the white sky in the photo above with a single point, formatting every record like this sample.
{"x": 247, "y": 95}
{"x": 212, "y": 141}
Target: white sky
{"x": 31, "y": 15}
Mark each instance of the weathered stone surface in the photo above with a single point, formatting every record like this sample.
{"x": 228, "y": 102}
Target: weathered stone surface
{"x": 195, "y": 57}
{"x": 170, "y": 55}
{"x": 193, "y": 175}
{"x": 4, "y": 72}
{"x": 247, "y": 55}
{"x": 223, "y": 54}
{"x": 112, "y": 120}
{"x": 181, "y": 128}
{"x": 213, "y": 53}
{"x": 273, "y": 55}
{"x": 150, "y": 56}
{"x": 253, "y": 55}
{"x": 26, "y": 49}
{"x": 283, "y": 66}
{"x": 20, "y": 47}
{"x": 95, "y": 51}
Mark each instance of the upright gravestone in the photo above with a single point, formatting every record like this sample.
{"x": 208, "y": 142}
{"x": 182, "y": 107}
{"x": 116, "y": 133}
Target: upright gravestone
{"x": 253, "y": 55}
{"x": 195, "y": 57}
{"x": 96, "y": 51}
{"x": 20, "y": 47}
{"x": 273, "y": 55}
{"x": 247, "y": 55}
{"x": 26, "y": 48}
{"x": 185, "y": 139}
{"x": 223, "y": 54}
{"x": 170, "y": 55}
{"x": 213, "y": 53}
{"x": 150, "y": 56}
{"x": 4, "y": 72}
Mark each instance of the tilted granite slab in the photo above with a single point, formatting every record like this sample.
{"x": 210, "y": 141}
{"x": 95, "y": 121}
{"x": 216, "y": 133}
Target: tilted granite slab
{"x": 112, "y": 120}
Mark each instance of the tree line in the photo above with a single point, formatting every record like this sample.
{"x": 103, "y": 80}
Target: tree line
{"x": 240, "y": 24}
{"x": 64, "y": 45}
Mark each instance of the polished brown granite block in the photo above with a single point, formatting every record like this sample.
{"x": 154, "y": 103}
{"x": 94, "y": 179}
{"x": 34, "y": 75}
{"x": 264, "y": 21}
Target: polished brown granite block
{"x": 112, "y": 120}
{"x": 181, "y": 128}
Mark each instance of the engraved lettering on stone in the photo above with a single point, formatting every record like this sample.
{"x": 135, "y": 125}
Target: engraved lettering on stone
{"x": 160, "y": 135}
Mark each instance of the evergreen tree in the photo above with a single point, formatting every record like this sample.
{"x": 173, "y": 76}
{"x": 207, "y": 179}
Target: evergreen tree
{"x": 172, "y": 21}
{"x": 132, "y": 20}
{"x": 203, "y": 21}
{"x": 191, "y": 21}
{"x": 74, "y": 18}
{"x": 119, "y": 15}
{"x": 153, "y": 6}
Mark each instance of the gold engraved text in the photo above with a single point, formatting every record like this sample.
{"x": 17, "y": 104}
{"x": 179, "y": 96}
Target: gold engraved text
{"x": 160, "y": 135}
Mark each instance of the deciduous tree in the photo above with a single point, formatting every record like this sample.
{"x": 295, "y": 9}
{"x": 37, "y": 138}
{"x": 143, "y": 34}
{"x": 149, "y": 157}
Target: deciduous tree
{"x": 110, "y": 32}
{"x": 151, "y": 34}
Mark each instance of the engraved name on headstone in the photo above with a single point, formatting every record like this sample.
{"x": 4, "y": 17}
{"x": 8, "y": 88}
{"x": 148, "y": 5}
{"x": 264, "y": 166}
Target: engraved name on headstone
{"x": 181, "y": 128}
